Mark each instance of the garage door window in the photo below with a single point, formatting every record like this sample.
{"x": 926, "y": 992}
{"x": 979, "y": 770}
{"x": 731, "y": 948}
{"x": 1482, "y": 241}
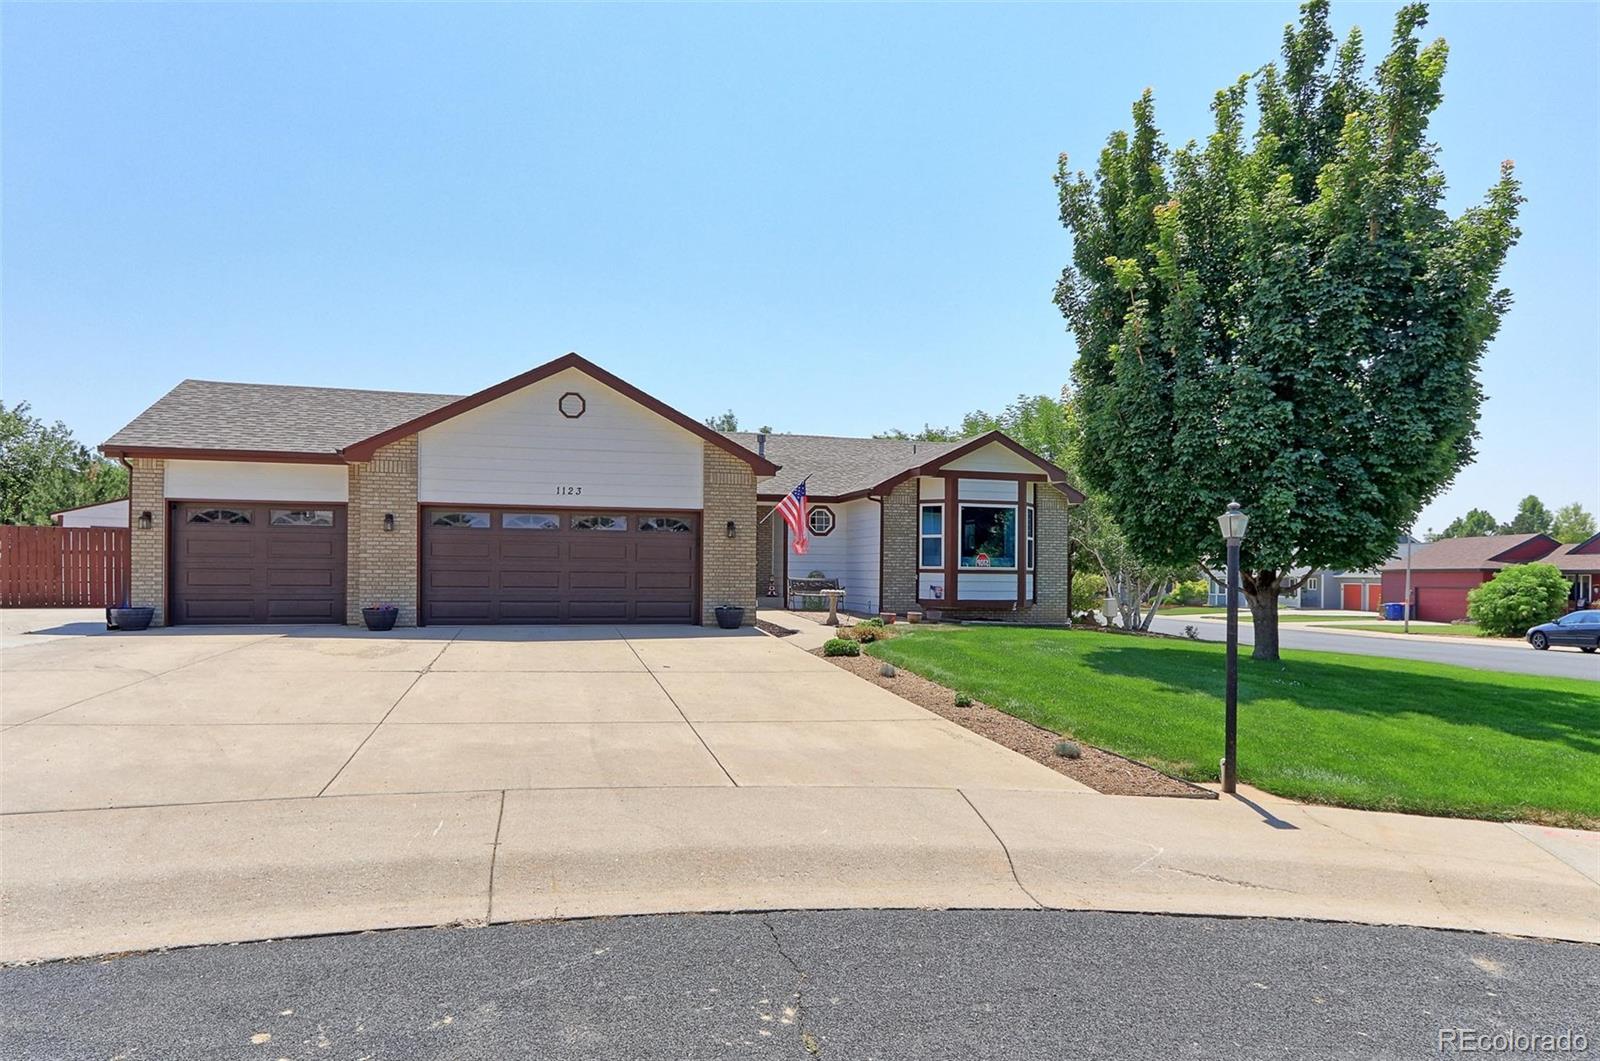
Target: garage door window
{"x": 530, "y": 521}
{"x": 475, "y": 520}
{"x": 670, "y": 524}
{"x": 302, "y": 517}
{"x": 219, "y": 515}
{"x": 600, "y": 523}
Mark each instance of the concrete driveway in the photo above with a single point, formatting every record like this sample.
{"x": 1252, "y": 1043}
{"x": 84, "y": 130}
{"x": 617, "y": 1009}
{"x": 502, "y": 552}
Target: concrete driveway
{"x": 206, "y": 785}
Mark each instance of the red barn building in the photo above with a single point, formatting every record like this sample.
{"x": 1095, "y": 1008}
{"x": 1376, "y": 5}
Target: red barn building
{"x": 1443, "y": 572}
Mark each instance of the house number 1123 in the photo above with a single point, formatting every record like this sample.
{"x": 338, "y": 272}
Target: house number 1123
{"x": 568, "y": 491}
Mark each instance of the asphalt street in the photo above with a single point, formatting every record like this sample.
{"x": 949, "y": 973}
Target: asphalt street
{"x": 1518, "y": 658}
{"x": 914, "y": 985}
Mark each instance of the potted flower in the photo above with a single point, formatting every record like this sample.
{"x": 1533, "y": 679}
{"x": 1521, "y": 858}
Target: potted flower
{"x": 380, "y": 616}
{"x": 730, "y": 616}
{"x": 126, "y": 617}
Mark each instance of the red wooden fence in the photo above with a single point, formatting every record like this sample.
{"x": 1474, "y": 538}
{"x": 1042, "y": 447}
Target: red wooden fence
{"x": 63, "y": 567}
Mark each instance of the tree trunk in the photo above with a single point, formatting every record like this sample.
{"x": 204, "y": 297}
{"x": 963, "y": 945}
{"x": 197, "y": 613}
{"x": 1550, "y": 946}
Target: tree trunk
{"x": 1261, "y": 590}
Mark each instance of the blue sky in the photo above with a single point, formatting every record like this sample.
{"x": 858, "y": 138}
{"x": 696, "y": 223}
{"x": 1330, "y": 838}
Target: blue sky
{"x": 829, "y": 218}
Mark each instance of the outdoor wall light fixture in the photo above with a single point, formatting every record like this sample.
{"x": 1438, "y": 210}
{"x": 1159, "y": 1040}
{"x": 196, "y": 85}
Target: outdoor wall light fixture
{"x": 733, "y": 530}
{"x": 145, "y": 520}
{"x": 388, "y": 521}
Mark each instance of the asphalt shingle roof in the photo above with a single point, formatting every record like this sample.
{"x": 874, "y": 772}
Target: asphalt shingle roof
{"x": 833, "y": 466}
{"x": 1567, "y": 560}
{"x": 203, "y": 414}
{"x": 1460, "y": 554}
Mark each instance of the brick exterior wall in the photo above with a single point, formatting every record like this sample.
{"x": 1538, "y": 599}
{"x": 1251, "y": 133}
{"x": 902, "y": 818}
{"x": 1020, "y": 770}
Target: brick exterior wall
{"x": 764, "y": 571}
{"x": 900, "y": 547}
{"x": 383, "y": 564}
{"x": 728, "y": 565}
{"x": 147, "y": 549}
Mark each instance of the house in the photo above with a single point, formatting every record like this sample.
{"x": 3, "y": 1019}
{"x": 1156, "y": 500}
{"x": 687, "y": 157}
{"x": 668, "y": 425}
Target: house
{"x": 1362, "y": 590}
{"x": 1308, "y": 595}
{"x": 564, "y": 494}
{"x": 1444, "y": 571}
{"x": 94, "y": 514}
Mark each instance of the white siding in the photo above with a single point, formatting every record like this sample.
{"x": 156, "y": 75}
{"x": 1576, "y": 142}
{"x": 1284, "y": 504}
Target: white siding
{"x": 849, "y": 553}
{"x": 927, "y": 582}
{"x": 520, "y": 450}
{"x": 256, "y": 481}
{"x": 931, "y": 488}
{"x": 105, "y": 514}
{"x": 985, "y": 585}
{"x": 992, "y": 458}
{"x": 988, "y": 490}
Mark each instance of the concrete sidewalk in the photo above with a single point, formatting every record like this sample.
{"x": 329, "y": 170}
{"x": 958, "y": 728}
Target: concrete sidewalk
{"x": 91, "y": 882}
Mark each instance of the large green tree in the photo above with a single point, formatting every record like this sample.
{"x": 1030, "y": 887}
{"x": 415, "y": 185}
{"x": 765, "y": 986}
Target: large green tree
{"x": 1287, "y": 318}
{"x": 43, "y": 469}
{"x": 1531, "y": 518}
{"x": 1572, "y": 523}
{"x": 1477, "y": 523}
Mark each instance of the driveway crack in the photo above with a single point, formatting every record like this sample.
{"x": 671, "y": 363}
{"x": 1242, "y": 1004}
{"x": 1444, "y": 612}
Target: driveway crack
{"x": 808, "y": 1039}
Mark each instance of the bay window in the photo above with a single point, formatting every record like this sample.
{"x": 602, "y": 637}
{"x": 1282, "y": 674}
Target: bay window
{"x": 989, "y": 537}
{"x": 931, "y": 553}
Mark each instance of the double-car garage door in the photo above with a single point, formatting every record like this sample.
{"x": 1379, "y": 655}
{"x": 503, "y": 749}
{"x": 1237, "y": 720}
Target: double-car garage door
{"x": 502, "y": 565}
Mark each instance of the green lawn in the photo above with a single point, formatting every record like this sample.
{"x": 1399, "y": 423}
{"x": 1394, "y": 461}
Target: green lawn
{"x": 1188, "y": 610}
{"x": 1355, "y": 731}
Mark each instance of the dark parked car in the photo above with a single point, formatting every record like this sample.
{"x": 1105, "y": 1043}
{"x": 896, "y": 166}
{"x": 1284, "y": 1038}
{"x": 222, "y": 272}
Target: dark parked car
{"x": 1574, "y": 628}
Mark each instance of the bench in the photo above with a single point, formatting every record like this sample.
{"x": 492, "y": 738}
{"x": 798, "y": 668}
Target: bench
{"x": 827, "y": 588}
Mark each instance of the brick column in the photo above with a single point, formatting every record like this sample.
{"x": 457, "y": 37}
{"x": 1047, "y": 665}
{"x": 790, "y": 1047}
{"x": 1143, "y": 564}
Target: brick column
{"x": 382, "y": 565}
{"x": 901, "y": 545}
{"x": 147, "y": 549}
{"x": 727, "y": 565}
{"x": 764, "y": 571}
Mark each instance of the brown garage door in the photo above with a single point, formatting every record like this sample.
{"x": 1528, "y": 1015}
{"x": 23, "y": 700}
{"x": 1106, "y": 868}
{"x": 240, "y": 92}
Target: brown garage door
{"x": 238, "y": 562}
{"x": 494, "y": 565}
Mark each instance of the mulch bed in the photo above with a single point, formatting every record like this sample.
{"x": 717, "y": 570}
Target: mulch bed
{"x": 774, "y": 629}
{"x": 1101, "y": 770}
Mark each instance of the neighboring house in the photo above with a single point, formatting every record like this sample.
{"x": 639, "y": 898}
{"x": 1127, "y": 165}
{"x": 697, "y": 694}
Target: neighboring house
{"x": 1362, "y": 591}
{"x": 561, "y": 495}
{"x": 94, "y": 514}
{"x": 1308, "y": 595}
{"x": 1443, "y": 572}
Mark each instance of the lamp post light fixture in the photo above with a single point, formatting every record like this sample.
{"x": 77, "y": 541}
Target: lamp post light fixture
{"x": 1233, "y": 523}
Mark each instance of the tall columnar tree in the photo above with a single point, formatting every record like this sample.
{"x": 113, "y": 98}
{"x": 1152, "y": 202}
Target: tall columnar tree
{"x": 1531, "y": 518}
{"x": 1289, "y": 319}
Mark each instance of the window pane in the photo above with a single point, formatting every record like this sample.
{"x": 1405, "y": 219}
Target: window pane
{"x": 302, "y": 517}
{"x": 821, "y": 521}
{"x": 600, "y": 523}
{"x": 988, "y": 536}
{"x": 670, "y": 524}
{"x": 932, "y": 519}
{"x": 219, "y": 515}
{"x": 932, "y": 555}
{"x": 476, "y": 520}
{"x": 530, "y": 521}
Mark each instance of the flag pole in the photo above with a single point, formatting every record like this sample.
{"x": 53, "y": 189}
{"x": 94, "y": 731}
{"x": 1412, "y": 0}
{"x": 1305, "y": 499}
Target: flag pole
{"x": 774, "y": 507}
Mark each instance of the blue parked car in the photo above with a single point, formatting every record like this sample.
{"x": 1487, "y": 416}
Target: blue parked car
{"x": 1574, "y": 628}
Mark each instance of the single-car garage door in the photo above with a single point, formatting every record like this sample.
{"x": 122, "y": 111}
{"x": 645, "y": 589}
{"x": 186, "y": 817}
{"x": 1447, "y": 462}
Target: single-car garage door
{"x": 493, "y": 565}
{"x": 240, "y": 562}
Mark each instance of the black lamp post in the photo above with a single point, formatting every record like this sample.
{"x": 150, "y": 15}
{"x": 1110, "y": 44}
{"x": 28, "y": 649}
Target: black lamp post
{"x": 1233, "y": 523}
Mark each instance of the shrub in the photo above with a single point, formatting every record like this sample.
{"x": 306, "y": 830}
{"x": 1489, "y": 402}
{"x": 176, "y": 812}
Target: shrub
{"x": 963, "y": 700}
{"x": 1188, "y": 592}
{"x": 873, "y": 623}
{"x": 862, "y": 633}
{"x": 1068, "y": 750}
{"x": 1088, "y": 591}
{"x": 887, "y": 670}
{"x": 840, "y": 646}
{"x": 1520, "y": 596}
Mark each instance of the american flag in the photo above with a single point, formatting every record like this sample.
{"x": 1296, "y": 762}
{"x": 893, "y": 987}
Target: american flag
{"x": 793, "y": 511}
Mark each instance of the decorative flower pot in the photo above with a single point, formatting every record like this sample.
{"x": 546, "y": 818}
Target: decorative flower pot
{"x": 380, "y": 618}
{"x": 730, "y": 617}
{"x": 129, "y": 618}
